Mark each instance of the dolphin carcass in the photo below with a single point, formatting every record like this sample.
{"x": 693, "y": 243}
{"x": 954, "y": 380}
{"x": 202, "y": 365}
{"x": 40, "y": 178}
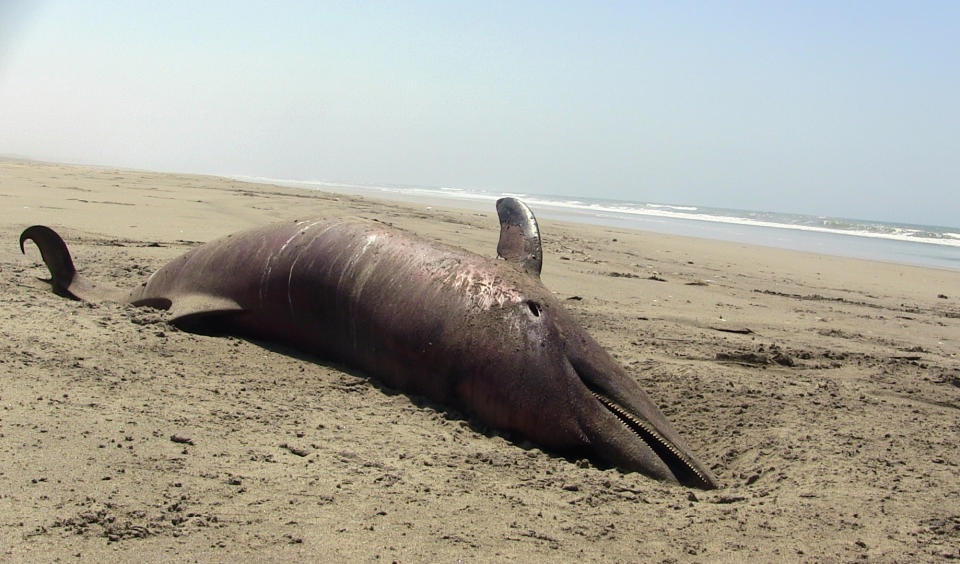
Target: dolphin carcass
{"x": 481, "y": 334}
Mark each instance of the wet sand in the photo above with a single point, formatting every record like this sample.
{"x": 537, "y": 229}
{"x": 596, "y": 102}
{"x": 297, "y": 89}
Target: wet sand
{"x": 824, "y": 393}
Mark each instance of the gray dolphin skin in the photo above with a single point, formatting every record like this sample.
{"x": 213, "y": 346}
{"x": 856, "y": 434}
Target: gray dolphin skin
{"x": 481, "y": 334}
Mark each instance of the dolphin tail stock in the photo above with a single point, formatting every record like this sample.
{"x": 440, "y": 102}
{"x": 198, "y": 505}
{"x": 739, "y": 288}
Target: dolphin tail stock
{"x": 64, "y": 278}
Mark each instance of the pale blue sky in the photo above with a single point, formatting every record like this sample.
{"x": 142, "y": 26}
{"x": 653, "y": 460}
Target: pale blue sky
{"x": 834, "y": 108}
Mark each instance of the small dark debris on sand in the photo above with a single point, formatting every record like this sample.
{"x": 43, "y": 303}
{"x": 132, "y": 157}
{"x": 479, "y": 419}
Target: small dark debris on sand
{"x": 737, "y": 330}
{"x": 295, "y": 450}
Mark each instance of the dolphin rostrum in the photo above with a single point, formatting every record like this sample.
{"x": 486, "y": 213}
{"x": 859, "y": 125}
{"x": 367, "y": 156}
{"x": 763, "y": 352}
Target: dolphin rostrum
{"x": 480, "y": 334}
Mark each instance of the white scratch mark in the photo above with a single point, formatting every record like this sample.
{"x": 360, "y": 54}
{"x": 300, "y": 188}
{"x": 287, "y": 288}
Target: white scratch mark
{"x": 275, "y": 257}
{"x": 481, "y": 287}
{"x": 296, "y": 259}
{"x": 290, "y": 284}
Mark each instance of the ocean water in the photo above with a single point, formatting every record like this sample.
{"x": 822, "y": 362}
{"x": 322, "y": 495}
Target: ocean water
{"x": 921, "y": 245}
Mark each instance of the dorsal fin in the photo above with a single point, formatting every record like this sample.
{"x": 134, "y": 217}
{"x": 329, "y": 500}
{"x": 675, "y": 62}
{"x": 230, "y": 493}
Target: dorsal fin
{"x": 519, "y": 236}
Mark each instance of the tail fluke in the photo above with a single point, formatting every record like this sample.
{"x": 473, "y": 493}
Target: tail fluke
{"x": 56, "y": 256}
{"x": 63, "y": 275}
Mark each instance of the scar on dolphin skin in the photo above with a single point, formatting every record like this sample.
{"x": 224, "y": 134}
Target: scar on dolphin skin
{"x": 478, "y": 333}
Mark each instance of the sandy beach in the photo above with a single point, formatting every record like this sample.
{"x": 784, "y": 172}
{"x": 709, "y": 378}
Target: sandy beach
{"x": 823, "y": 392}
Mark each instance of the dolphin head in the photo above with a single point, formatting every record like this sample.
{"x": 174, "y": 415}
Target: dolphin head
{"x": 619, "y": 423}
{"x": 571, "y": 394}
{"x": 542, "y": 375}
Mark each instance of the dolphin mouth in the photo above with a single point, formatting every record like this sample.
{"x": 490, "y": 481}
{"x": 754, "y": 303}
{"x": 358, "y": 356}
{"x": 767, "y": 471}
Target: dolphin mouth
{"x": 684, "y": 468}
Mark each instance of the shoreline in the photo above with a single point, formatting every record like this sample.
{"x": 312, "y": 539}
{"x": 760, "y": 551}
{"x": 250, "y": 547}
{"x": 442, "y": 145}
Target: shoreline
{"x": 824, "y": 392}
{"x": 921, "y": 254}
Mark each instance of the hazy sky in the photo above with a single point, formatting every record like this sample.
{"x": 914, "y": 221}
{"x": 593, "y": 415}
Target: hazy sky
{"x": 835, "y": 108}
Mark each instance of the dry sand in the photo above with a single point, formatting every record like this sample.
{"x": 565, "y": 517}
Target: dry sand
{"x": 833, "y": 423}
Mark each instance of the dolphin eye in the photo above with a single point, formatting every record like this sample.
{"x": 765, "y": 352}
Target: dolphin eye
{"x": 534, "y": 308}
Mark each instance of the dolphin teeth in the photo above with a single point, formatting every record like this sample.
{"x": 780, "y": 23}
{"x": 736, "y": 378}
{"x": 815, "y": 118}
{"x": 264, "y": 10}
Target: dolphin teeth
{"x": 648, "y": 432}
